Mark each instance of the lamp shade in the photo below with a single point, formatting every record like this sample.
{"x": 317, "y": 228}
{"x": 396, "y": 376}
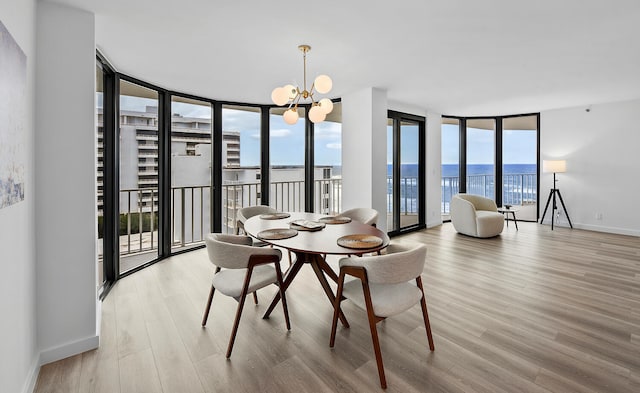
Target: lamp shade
{"x": 555, "y": 166}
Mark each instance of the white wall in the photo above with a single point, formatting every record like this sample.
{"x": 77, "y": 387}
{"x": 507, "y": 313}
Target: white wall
{"x": 603, "y": 165}
{"x": 18, "y": 346}
{"x": 364, "y": 151}
{"x": 65, "y": 147}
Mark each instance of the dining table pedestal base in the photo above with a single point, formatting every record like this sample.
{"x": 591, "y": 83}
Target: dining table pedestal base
{"x": 320, "y": 268}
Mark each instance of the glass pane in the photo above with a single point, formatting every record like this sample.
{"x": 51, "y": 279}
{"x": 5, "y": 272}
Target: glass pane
{"x": 286, "y": 144}
{"x": 519, "y": 170}
{"x": 390, "y": 204}
{"x": 409, "y": 181}
{"x": 100, "y": 173}
{"x": 240, "y": 162}
{"x": 190, "y": 172}
{"x": 138, "y": 175}
{"x": 327, "y": 172}
{"x": 481, "y": 157}
{"x": 450, "y": 182}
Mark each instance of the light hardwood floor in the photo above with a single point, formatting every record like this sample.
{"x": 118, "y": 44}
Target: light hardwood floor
{"x": 532, "y": 310}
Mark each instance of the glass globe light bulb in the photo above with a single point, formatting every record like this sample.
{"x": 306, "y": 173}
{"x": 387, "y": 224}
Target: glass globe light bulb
{"x": 323, "y": 84}
{"x": 316, "y": 114}
{"x": 290, "y": 116}
{"x": 279, "y": 96}
{"x": 326, "y": 105}
{"x": 291, "y": 91}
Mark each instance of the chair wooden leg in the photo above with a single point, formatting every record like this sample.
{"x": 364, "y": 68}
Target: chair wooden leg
{"x": 243, "y": 295}
{"x": 374, "y": 334}
{"x": 282, "y": 295}
{"x": 336, "y": 311}
{"x": 425, "y": 314}
{"x": 255, "y": 297}
{"x": 208, "y": 307}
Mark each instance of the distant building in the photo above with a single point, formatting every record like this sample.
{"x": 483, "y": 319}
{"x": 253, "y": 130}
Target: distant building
{"x": 191, "y": 175}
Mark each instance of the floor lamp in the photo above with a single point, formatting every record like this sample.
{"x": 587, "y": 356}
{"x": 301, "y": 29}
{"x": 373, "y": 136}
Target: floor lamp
{"x": 555, "y": 166}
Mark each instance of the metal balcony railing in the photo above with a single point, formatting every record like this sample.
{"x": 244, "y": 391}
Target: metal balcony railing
{"x": 408, "y": 195}
{"x": 517, "y": 189}
{"x": 191, "y": 211}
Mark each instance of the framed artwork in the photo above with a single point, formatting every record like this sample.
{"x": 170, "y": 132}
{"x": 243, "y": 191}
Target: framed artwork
{"x": 13, "y": 118}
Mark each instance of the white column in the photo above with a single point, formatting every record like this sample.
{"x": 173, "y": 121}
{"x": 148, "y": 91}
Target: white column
{"x": 65, "y": 159}
{"x": 434, "y": 169}
{"x": 364, "y": 151}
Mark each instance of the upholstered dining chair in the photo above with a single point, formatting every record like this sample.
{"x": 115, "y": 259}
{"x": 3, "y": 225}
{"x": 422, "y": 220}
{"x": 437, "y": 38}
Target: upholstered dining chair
{"x": 365, "y": 215}
{"x": 247, "y": 212}
{"x": 383, "y": 290}
{"x": 242, "y": 269}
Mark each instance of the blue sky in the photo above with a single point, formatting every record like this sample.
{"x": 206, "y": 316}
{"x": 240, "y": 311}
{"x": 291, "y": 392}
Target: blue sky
{"x": 287, "y": 141}
{"x": 518, "y": 146}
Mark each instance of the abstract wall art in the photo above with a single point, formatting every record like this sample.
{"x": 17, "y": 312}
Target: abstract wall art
{"x": 13, "y": 118}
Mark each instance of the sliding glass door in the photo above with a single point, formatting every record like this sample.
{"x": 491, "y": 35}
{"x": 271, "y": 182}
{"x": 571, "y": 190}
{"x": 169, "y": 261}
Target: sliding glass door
{"x": 405, "y": 172}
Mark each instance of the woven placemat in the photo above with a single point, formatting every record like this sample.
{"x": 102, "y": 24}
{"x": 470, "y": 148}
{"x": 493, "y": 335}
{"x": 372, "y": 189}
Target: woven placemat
{"x": 359, "y": 241}
{"x": 274, "y": 216}
{"x": 306, "y": 225}
{"x": 277, "y": 233}
{"x": 335, "y": 220}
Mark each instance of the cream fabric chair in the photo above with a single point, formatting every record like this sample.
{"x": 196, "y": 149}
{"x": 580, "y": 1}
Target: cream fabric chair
{"x": 242, "y": 269}
{"x": 364, "y": 215}
{"x": 476, "y": 216}
{"x": 247, "y": 212}
{"x": 383, "y": 290}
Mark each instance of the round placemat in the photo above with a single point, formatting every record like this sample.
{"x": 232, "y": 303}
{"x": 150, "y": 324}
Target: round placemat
{"x": 359, "y": 241}
{"x": 335, "y": 220}
{"x": 306, "y": 225}
{"x": 277, "y": 233}
{"x": 274, "y": 216}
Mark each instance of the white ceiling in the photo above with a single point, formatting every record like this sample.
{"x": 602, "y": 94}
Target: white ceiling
{"x": 456, "y": 57}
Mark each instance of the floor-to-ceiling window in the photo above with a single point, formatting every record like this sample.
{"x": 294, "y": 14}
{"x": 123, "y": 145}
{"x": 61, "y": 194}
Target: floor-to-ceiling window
{"x": 184, "y": 165}
{"x": 138, "y": 175}
{"x": 287, "y": 161}
{"x": 450, "y": 168}
{"x": 520, "y": 165}
{"x": 241, "y": 152}
{"x": 100, "y": 166}
{"x": 495, "y": 157}
{"x": 191, "y": 158}
{"x": 327, "y": 171}
{"x": 481, "y": 169}
{"x": 405, "y": 171}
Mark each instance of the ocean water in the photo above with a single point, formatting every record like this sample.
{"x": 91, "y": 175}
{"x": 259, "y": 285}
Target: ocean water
{"x": 519, "y": 184}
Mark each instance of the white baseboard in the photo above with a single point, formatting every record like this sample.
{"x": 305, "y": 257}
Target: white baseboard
{"x": 596, "y": 228}
{"x": 70, "y": 349}
{"x": 30, "y": 383}
{"x": 434, "y": 223}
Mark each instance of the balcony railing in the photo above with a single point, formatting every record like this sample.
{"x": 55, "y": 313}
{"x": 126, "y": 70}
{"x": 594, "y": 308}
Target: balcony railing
{"x": 408, "y": 195}
{"x": 190, "y": 210}
{"x": 517, "y": 189}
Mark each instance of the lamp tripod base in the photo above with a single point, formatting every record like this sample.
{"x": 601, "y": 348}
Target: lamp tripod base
{"x": 552, "y": 196}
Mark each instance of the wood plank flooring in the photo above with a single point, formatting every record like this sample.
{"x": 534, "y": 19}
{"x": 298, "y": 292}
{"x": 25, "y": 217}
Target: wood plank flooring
{"x": 532, "y": 310}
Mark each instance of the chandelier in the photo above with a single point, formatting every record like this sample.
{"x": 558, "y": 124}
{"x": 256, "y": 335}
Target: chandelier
{"x": 292, "y": 95}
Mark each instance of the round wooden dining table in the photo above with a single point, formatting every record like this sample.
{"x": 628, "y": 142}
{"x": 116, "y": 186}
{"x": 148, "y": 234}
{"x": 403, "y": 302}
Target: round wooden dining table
{"x": 310, "y": 247}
